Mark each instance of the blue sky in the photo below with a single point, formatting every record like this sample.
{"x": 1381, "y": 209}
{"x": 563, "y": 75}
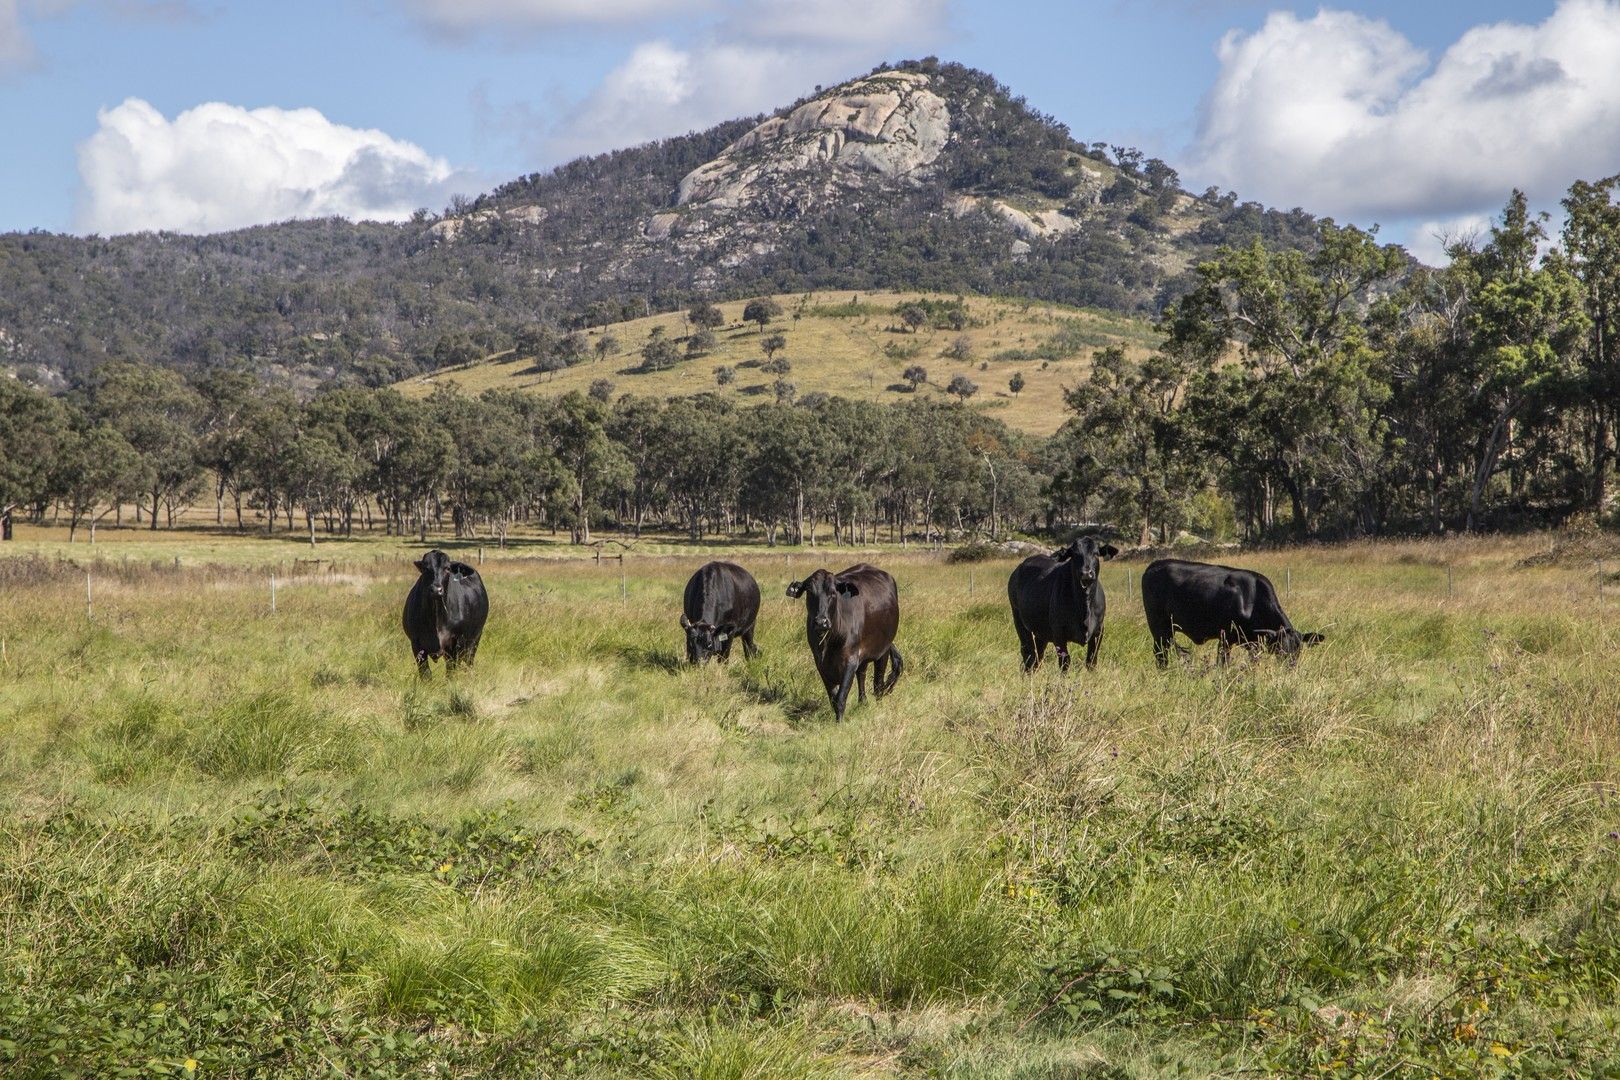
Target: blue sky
{"x": 1420, "y": 116}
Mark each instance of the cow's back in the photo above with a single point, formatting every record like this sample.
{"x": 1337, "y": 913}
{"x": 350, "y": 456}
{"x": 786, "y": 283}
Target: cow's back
{"x": 879, "y": 599}
{"x": 721, "y": 592}
{"x": 1202, "y": 599}
{"x": 1033, "y": 589}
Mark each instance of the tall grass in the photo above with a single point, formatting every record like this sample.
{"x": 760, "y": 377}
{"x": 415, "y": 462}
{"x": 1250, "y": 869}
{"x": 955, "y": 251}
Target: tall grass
{"x": 258, "y": 844}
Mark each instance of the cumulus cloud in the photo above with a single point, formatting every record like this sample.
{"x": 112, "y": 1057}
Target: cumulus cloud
{"x": 761, "y": 54}
{"x": 219, "y": 166}
{"x": 1342, "y": 114}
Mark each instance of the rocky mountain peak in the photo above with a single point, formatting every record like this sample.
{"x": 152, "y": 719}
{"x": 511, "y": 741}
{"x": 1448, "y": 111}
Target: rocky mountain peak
{"x": 890, "y": 123}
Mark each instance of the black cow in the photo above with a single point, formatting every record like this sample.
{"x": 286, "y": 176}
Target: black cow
{"x": 720, "y": 606}
{"x": 850, "y": 619}
{"x": 445, "y": 612}
{"x": 1204, "y": 601}
{"x": 1058, "y": 598}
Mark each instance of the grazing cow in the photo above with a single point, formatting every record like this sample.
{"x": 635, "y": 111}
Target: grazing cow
{"x": 850, "y": 619}
{"x": 1204, "y": 601}
{"x": 721, "y": 605}
{"x": 445, "y": 612}
{"x": 1058, "y": 598}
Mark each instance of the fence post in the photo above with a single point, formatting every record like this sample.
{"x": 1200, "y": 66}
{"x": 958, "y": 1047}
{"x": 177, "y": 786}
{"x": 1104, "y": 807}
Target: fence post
{"x": 624, "y": 588}
{"x": 1288, "y": 579}
{"x": 480, "y": 554}
{"x": 89, "y": 611}
{"x": 1448, "y": 579}
{"x": 272, "y": 594}
{"x": 1600, "y": 584}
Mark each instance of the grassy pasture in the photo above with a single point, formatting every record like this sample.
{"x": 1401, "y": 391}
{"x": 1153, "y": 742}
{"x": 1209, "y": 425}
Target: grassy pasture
{"x": 235, "y": 843}
{"x": 836, "y": 346}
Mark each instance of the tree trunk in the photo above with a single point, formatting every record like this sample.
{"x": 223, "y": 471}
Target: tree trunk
{"x": 1485, "y": 467}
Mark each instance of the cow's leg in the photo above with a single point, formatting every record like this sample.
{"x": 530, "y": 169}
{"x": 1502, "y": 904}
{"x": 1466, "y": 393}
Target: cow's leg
{"x": 1223, "y": 650}
{"x": 1092, "y": 646}
{"x": 725, "y": 650}
{"x": 880, "y": 670}
{"x": 860, "y": 681}
{"x": 750, "y": 650}
{"x": 1063, "y": 655}
{"x": 1026, "y": 644}
{"x": 842, "y": 700}
{"x": 423, "y": 670}
{"x": 1040, "y": 652}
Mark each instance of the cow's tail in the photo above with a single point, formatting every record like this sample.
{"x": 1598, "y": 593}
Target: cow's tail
{"x": 897, "y": 665}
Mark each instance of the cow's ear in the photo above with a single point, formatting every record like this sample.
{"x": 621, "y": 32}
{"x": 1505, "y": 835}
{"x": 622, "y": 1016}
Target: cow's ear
{"x": 1312, "y": 638}
{"x": 422, "y": 565}
{"x": 686, "y": 624}
{"x": 1061, "y": 554}
{"x": 795, "y": 588}
{"x": 1107, "y": 551}
{"x": 848, "y": 588}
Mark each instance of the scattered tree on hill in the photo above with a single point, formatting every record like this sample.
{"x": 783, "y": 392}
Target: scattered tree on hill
{"x": 725, "y": 375}
{"x": 705, "y": 315}
{"x": 780, "y": 366}
{"x": 601, "y": 390}
{"x": 785, "y": 391}
{"x": 773, "y": 344}
{"x": 762, "y": 311}
{"x": 659, "y": 354}
{"x": 914, "y": 316}
{"x": 960, "y": 348}
{"x": 1016, "y": 383}
{"x": 962, "y": 386}
{"x": 606, "y": 345}
{"x": 916, "y": 375}
{"x": 701, "y": 343}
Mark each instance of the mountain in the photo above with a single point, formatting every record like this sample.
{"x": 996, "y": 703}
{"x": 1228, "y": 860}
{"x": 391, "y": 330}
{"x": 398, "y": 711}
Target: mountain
{"x": 926, "y": 176}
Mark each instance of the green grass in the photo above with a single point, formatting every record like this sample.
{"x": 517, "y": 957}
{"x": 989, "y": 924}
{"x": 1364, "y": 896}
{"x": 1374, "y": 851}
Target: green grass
{"x": 257, "y": 843}
{"x": 836, "y": 345}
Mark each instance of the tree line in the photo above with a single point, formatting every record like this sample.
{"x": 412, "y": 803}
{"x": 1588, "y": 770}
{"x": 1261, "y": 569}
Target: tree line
{"x": 145, "y": 441}
{"x": 1337, "y": 392}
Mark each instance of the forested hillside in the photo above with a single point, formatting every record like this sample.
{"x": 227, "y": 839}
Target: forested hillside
{"x": 1006, "y": 202}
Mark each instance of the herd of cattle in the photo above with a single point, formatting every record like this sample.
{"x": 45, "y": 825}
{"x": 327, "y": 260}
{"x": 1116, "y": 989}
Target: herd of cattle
{"x": 851, "y": 617}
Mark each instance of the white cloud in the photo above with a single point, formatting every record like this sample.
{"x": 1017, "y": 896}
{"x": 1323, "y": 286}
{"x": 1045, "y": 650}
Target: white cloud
{"x": 219, "y": 166}
{"x": 16, "y": 50}
{"x": 1343, "y": 115}
{"x": 1428, "y": 240}
{"x": 834, "y": 22}
{"x": 462, "y": 16}
{"x": 763, "y": 54}
{"x": 17, "y": 46}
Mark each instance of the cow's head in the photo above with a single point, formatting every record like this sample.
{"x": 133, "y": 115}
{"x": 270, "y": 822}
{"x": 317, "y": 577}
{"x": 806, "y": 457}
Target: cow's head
{"x": 1289, "y": 642}
{"x": 435, "y": 568}
{"x": 822, "y": 593}
{"x": 703, "y": 639}
{"x": 1084, "y": 557}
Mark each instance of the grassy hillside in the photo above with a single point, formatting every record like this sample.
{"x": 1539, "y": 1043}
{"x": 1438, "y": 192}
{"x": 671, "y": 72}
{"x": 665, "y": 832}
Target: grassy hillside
{"x": 850, "y": 344}
{"x": 238, "y": 844}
